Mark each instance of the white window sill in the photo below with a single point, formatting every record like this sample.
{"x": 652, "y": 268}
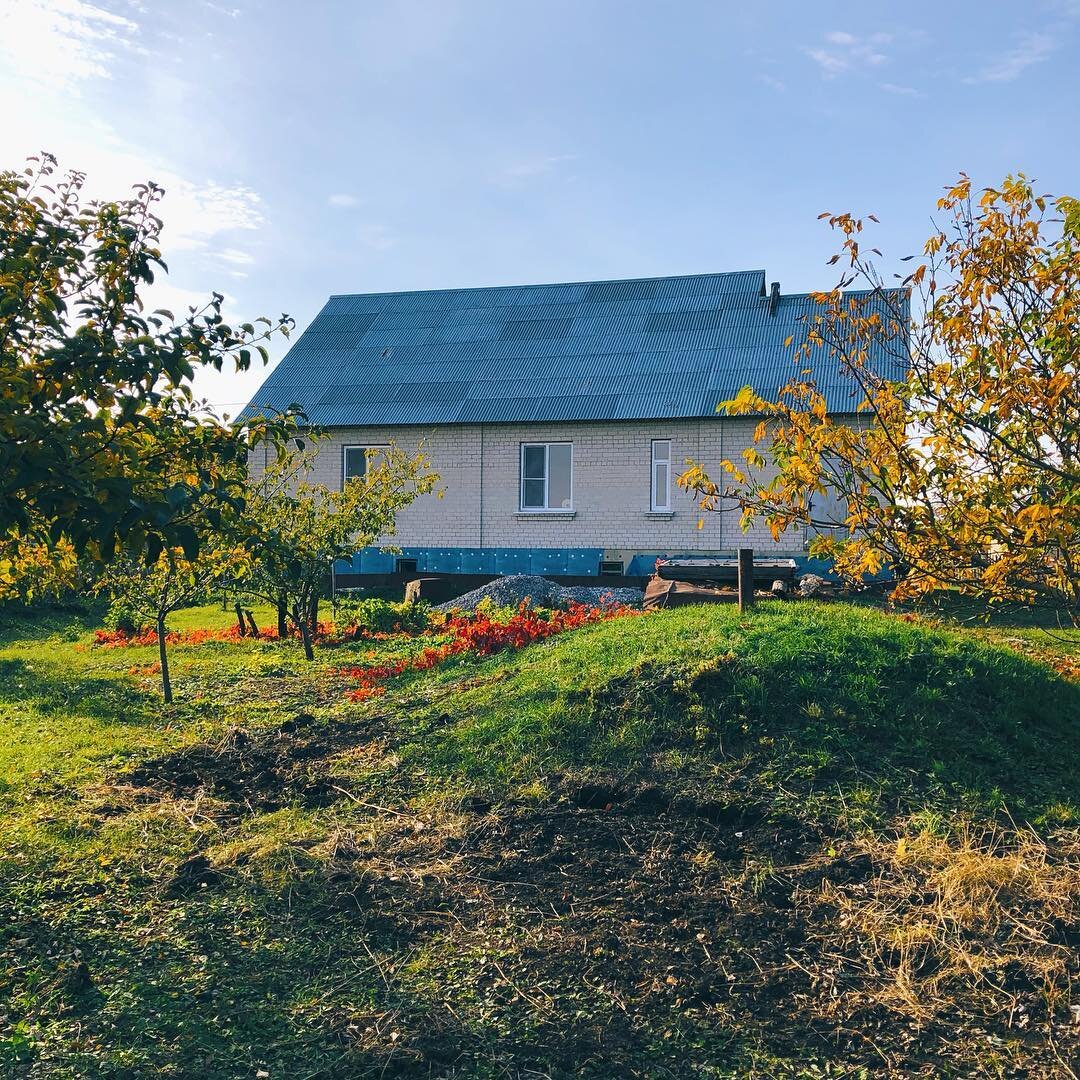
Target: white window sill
{"x": 559, "y": 515}
{"x": 659, "y": 515}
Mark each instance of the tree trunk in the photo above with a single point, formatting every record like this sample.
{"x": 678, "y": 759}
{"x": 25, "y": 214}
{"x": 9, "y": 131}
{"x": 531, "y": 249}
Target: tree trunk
{"x": 240, "y": 620}
{"x": 166, "y": 683}
{"x": 305, "y": 634}
{"x": 313, "y": 622}
{"x": 253, "y": 629}
{"x": 282, "y": 618}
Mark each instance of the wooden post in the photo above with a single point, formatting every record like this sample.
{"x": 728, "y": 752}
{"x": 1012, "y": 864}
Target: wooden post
{"x": 746, "y": 578}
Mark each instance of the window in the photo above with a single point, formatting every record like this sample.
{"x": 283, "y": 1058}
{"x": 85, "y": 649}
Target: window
{"x": 828, "y": 510}
{"x": 547, "y": 476}
{"x": 356, "y": 460}
{"x": 661, "y": 476}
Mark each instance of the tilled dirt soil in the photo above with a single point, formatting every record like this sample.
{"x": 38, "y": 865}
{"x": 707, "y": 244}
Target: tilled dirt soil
{"x": 253, "y": 772}
{"x": 597, "y": 923}
{"x": 716, "y": 916}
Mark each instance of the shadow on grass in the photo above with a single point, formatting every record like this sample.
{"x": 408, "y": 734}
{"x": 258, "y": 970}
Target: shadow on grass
{"x": 966, "y": 611}
{"x": 242, "y": 983}
{"x": 67, "y": 621}
{"x": 54, "y": 691}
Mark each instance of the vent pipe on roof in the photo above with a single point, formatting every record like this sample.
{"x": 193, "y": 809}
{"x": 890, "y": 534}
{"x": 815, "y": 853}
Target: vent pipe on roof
{"x": 774, "y": 297}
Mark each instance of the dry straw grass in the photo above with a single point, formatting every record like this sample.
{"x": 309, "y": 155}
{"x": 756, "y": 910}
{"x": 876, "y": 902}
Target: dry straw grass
{"x": 985, "y": 919}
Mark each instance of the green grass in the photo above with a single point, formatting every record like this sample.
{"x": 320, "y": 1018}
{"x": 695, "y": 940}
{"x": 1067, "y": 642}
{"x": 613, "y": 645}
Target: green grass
{"x": 355, "y": 914}
{"x": 825, "y": 693}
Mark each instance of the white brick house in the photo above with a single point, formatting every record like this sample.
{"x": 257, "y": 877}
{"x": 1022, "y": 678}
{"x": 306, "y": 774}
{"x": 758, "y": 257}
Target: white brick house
{"x": 557, "y": 417}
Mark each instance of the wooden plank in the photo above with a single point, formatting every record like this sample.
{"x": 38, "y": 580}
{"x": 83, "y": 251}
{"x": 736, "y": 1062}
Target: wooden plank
{"x": 725, "y": 570}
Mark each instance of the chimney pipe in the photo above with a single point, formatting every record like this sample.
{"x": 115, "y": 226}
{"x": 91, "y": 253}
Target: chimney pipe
{"x": 774, "y": 297}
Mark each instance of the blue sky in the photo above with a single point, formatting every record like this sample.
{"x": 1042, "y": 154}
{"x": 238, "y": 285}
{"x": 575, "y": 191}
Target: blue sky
{"x": 333, "y": 147}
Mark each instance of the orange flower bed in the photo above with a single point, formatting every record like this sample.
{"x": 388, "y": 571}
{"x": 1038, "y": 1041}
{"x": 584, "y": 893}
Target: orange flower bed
{"x": 120, "y": 639}
{"x": 326, "y": 634}
{"x": 481, "y": 635}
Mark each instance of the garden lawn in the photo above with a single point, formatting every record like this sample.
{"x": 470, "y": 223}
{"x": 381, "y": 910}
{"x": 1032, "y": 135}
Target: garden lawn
{"x": 810, "y": 841}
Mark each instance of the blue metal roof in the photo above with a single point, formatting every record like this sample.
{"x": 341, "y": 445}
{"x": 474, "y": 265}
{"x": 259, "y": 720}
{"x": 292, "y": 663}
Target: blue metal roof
{"x": 595, "y": 350}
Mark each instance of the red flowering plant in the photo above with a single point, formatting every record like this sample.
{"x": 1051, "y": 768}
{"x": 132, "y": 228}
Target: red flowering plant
{"x": 482, "y": 635}
{"x": 327, "y": 633}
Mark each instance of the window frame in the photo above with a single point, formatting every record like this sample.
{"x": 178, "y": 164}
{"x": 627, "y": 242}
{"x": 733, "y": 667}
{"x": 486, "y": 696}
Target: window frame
{"x": 366, "y": 447}
{"x": 545, "y": 509}
{"x": 654, "y": 506}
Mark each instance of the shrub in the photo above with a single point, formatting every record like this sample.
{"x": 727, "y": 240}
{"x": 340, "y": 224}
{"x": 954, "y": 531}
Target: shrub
{"x": 122, "y": 617}
{"x": 384, "y": 616}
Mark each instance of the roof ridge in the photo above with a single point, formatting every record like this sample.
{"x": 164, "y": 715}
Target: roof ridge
{"x": 878, "y": 290}
{"x": 552, "y": 284}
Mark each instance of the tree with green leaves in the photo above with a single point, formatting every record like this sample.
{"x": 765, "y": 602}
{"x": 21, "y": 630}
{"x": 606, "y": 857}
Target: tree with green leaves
{"x": 296, "y": 530}
{"x": 154, "y": 590}
{"x": 104, "y": 444}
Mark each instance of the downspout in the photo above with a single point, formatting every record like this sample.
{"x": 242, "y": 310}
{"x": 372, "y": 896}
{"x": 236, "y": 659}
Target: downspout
{"x": 481, "y": 487}
{"x": 722, "y": 515}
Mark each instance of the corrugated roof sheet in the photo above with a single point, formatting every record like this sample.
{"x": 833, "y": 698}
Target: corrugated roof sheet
{"x": 604, "y": 350}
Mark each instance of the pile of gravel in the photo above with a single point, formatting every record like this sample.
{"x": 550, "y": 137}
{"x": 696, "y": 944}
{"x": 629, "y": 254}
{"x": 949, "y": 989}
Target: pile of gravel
{"x": 510, "y": 591}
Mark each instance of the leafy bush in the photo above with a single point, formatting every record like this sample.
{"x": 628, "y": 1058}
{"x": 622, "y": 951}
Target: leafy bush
{"x": 384, "y": 616}
{"x": 122, "y": 617}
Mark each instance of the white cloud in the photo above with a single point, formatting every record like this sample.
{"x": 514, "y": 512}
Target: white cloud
{"x": 57, "y": 60}
{"x": 73, "y": 42}
{"x": 195, "y": 214}
{"x": 63, "y": 42}
{"x": 773, "y": 83}
{"x": 342, "y": 200}
{"x": 848, "y": 51}
{"x": 531, "y": 167}
{"x": 228, "y": 12}
{"x": 1032, "y": 48}
{"x": 235, "y": 256}
{"x": 164, "y": 294}
{"x": 903, "y": 91}
{"x": 830, "y": 63}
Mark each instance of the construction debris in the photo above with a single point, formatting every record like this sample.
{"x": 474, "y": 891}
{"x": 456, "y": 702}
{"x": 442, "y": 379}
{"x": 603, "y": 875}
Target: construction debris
{"x": 813, "y": 587}
{"x": 539, "y": 592}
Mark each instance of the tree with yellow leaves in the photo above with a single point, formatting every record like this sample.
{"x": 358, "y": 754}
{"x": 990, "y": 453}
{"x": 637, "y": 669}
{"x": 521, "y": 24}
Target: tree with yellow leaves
{"x": 104, "y": 446}
{"x": 965, "y": 475}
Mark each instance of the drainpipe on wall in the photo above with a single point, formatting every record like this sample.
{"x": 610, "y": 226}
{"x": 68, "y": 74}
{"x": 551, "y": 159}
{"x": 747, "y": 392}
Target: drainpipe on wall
{"x": 722, "y": 515}
{"x": 481, "y": 486}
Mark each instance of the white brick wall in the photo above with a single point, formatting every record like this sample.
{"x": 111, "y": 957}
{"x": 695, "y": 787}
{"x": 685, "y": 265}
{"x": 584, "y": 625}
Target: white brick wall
{"x": 611, "y": 485}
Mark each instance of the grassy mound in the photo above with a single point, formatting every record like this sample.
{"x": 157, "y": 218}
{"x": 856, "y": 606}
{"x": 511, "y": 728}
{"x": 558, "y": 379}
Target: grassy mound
{"x": 811, "y": 699}
{"x": 812, "y": 841}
